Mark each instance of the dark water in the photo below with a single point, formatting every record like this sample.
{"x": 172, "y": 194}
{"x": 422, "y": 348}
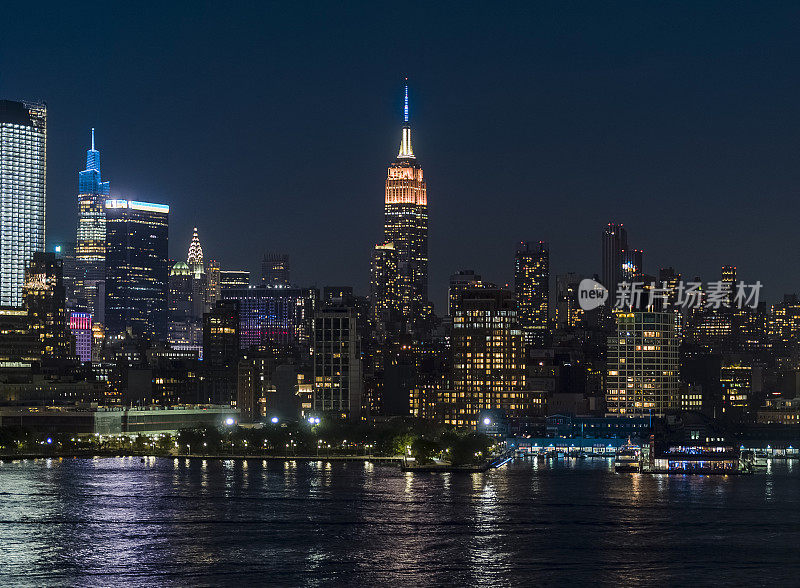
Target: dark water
{"x": 175, "y": 522}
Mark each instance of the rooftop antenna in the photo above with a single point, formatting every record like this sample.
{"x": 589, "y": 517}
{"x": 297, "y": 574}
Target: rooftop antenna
{"x": 405, "y": 110}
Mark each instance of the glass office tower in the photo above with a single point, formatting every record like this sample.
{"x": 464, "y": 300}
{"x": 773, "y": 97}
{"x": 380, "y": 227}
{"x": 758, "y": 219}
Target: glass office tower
{"x": 90, "y": 249}
{"x": 23, "y": 166}
{"x": 137, "y": 268}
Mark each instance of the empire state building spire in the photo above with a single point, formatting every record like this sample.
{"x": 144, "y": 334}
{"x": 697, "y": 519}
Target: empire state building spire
{"x": 406, "y": 152}
{"x": 406, "y": 228}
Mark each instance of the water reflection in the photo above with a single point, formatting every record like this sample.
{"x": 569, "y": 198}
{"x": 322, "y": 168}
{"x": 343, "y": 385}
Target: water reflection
{"x": 103, "y": 521}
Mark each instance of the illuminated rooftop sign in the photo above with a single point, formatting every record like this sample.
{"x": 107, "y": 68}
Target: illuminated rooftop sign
{"x": 134, "y": 205}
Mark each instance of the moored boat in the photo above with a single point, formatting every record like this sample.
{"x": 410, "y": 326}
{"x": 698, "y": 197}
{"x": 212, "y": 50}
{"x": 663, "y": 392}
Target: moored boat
{"x": 627, "y": 458}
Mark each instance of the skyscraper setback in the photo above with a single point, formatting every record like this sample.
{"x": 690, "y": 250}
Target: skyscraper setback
{"x": 90, "y": 249}
{"x": 23, "y": 164}
{"x": 406, "y": 226}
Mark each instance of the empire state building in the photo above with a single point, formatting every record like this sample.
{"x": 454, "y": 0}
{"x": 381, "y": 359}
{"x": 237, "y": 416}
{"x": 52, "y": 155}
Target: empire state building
{"x": 406, "y": 227}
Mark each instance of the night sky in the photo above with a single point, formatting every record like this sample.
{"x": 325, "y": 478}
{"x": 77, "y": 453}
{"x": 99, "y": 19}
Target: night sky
{"x": 269, "y": 126}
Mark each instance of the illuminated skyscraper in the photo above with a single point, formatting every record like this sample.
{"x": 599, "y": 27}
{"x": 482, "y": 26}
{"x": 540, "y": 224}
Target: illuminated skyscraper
{"x": 23, "y": 164}
{"x": 234, "y": 279}
{"x": 90, "y": 248}
{"x": 384, "y": 295}
{"x": 195, "y": 256}
{"x": 273, "y": 316}
{"x": 406, "y": 226}
{"x": 337, "y": 364}
{"x": 488, "y": 356}
{"x": 188, "y": 295}
{"x": 532, "y": 290}
{"x": 632, "y": 265}
{"x": 213, "y": 289}
{"x": 729, "y": 278}
{"x": 80, "y": 325}
{"x": 569, "y": 314}
{"x": 459, "y": 282}
{"x": 643, "y": 364}
{"x": 45, "y": 300}
{"x": 137, "y": 268}
{"x": 615, "y": 241}
{"x": 275, "y": 270}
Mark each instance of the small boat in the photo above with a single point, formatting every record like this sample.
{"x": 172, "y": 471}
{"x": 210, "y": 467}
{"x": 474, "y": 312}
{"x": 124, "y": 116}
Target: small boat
{"x": 627, "y": 458}
{"x": 760, "y": 459}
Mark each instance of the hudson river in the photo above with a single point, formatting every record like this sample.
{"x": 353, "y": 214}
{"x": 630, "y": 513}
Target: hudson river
{"x": 118, "y": 521}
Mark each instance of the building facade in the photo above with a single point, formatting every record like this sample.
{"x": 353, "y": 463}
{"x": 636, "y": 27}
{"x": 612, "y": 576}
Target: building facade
{"x": 532, "y": 290}
{"x": 406, "y": 227}
{"x": 275, "y": 270}
{"x": 274, "y": 316}
{"x": 643, "y": 365}
{"x": 488, "y": 356}
{"x": 90, "y": 247}
{"x": 23, "y": 167}
{"x": 80, "y": 325}
{"x": 615, "y": 242}
{"x": 384, "y": 292}
{"x": 45, "y": 299}
{"x": 337, "y": 364}
{"x": 233, "y": 279}
{"x": 137, "y": 268}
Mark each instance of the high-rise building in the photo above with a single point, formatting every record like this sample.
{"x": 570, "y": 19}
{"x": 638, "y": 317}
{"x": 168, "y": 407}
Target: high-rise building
{"x": 532, "y": 290}
{"x": 632, "y": 265}
{"x": 643, "y": 366}
{"x": 384, "y": 295}
{"x": 275, "y": 270}
{"x": 195, "y": 257}
{"x": 274, "y": 316}
{"x": 569, "y": 314}
{"x": 337, "y": 364}
{"x": 188, "y": 300}
{"x": 137, "y": 268}
{"x": 213, "y": 286}
{"x": 729, "y": 279}
{"x": 90, "y": 247}
{"x": 17, "y": 340}
{"x": 221, "y": 332}
{"x": 234, "y": 279}
{"x": 23, "y": 165}
{"x": 459, "y": 282}
{"x": 221, "y": 352}
{"x": 670, "y": 279}
{"x": 45, "y": 299}
{"x": 488, "y": 355}
{"x": 185, "y": 327}
{"x": 615, "y": 241}
{"x": 80, "y": 325}
{"x": 406, "y": 227}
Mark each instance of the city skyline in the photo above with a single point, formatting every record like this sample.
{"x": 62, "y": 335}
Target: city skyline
{"x": 554, "y": 172}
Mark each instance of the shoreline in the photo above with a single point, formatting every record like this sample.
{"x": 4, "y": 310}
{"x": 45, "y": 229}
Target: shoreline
{"x": 217, "y": 456}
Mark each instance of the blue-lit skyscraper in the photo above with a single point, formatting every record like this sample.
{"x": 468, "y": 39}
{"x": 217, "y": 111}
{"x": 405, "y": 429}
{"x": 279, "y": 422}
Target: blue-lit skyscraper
{"x": 90, "y": 250}
{"x": 23, "y": 165}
